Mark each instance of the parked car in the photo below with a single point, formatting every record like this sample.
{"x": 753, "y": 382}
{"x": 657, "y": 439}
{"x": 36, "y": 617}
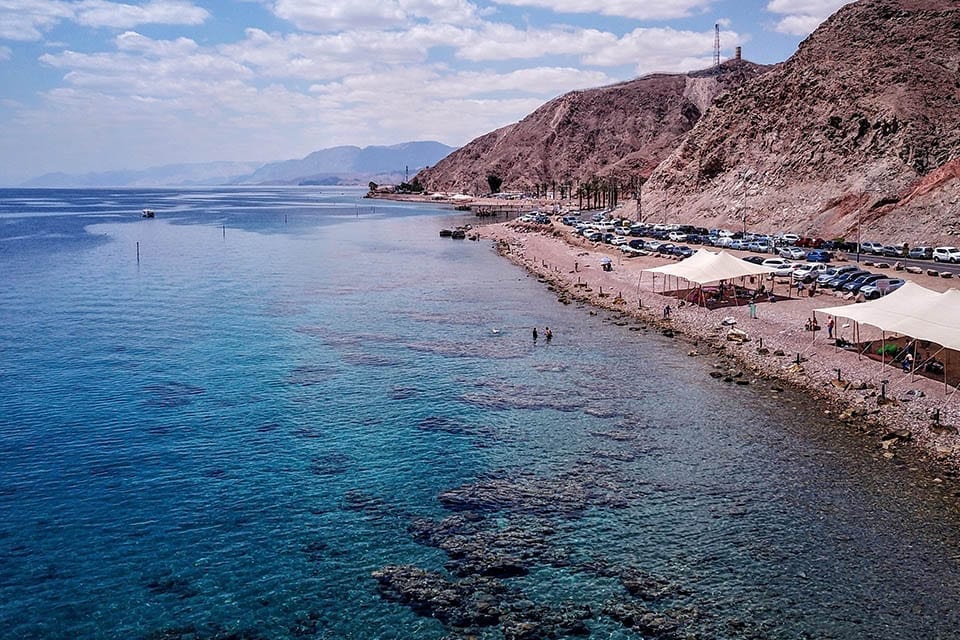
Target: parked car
{"x": 809, "y": 272}
{"x": 921, "y": 253}
{"x": 619, "y": 240}
{"x": 946, "y": 254}
{"x": 841, "y": 279}
{"x": 794, "y": 253}
{"x": 683, "y": 251}
{"x": 871, "y": 247}
{"x": 833, "y": 272}
{"x": 881, "y": 287}
{"x": 754, "y": 259}
{"x": 783, "y": 267}
{"x": 790, "y": 238}
{"x": 819, "y": 255}
{"x": 677, "y": 236}
{"x": 854, "y": 284}
{"x": 895, "y": 250}
{"x": 666, "y": 248}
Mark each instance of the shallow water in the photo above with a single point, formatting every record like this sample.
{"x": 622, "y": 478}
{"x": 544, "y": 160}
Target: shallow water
{"x": 233, "y": 434}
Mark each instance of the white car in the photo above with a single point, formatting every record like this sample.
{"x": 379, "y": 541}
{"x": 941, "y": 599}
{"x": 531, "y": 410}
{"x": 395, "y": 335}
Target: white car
{"x": 677, "y": 236}
{"x": 619, "y": 240}
{"x": 794, "y": 253}
{"x": 809, "y": 272}
{"x": 790, "y": 238}
{"x": 783, "y": 267}
{"x": 946, "y": 254}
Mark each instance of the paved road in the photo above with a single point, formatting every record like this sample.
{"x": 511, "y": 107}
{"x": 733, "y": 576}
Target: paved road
{"x": 923, "y": 264}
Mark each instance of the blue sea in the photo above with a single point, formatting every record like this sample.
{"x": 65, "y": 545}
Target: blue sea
{"x": 297, "y": 413}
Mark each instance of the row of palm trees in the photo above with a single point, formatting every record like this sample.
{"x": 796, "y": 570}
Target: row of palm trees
{"x": 592, "y": 193}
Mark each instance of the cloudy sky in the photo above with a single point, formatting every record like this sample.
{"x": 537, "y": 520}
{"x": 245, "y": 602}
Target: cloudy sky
{"x": 95, "y": 85}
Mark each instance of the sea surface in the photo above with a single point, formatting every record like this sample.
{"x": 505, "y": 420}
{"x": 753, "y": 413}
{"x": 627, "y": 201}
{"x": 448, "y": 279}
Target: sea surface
{"x": 225, "y": 421}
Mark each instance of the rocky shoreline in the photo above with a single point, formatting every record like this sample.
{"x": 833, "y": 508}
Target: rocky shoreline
{"x": 893, "y": 409}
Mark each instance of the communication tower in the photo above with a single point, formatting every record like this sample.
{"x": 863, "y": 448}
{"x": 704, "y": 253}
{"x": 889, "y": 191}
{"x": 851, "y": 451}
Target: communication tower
{"x": 716, "y": 45}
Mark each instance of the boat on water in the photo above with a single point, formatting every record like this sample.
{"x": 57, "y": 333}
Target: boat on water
{"x": 458, "y": 234}
{"x": 445, "y": 233}
{"x": 148, "y": 213}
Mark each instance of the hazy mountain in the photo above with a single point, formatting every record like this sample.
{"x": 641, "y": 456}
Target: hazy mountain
{"x": 337, "y": 165}
{"x": 202, "y": 173}
{"x": 351, "y": 163}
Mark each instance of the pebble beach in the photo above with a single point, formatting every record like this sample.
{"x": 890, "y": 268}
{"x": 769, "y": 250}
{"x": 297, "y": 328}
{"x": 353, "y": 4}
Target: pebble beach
{"x": 893, "y": 409}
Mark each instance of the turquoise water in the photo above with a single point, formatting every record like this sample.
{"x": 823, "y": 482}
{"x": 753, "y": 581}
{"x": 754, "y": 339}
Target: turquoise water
{"x": 293, "y": 387}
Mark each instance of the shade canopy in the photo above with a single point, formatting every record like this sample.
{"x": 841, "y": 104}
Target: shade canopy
{"x": 911, "y": 310}
{"x": 705, "y": 266}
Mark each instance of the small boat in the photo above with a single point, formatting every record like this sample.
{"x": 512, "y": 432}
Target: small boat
{"x": 445, "y": 233}
{"x": 458, "y": 234}
{"x": 148, "y": 213}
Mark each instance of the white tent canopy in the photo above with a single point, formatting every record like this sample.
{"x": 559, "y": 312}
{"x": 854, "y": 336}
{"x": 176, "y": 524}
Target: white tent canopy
{"x": 704, "y": 267}
{"x": 911, "y": 310}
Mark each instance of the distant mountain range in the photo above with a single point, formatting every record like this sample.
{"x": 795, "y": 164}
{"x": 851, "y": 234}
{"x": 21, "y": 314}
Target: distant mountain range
{"x": 335, "y": 165}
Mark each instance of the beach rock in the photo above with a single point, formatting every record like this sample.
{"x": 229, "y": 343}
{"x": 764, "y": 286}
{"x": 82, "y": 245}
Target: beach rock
{"x": 897, "y": 434}
{"x": 465, "y": 604}
{"x": 915, "y": 270}
{"x": 779, "y": 353}
{"x": 636, "y": 616}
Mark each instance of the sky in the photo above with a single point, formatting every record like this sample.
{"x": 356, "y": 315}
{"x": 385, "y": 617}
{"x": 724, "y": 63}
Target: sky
{"x": 97, "y": 85}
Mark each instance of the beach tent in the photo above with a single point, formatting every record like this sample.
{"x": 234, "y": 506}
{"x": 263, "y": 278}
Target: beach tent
{"x": 704, "y": 267}
{"x": 912, "y": 310}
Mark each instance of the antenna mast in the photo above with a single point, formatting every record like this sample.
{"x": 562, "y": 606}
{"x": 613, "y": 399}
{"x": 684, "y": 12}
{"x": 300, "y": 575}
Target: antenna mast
{"x": 716, "y": 45}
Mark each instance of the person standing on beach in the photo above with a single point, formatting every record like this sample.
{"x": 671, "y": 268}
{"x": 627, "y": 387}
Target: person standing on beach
{"x": 830, "y": 327}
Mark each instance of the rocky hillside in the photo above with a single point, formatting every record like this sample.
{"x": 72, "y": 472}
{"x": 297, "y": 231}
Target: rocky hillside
{"x": 864, "y": 118}
{"x": 622, "y": 130}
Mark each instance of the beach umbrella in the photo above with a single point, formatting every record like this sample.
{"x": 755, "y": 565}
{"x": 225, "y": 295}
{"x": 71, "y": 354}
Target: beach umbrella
{"x": 605, "y": 260}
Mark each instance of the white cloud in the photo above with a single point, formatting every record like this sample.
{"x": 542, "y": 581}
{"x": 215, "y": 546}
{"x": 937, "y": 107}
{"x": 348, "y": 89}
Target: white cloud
{"x": 326, "y": 16}
{"x": 28, "y": 20}
{"x": 660, "y": 50}
{"x": 99, "y": 13}
{"x": 5, "y": 53}
{"x": 801, "y": 17}
{"x": 638, "y": 10}
{"x": 499, "y": 41}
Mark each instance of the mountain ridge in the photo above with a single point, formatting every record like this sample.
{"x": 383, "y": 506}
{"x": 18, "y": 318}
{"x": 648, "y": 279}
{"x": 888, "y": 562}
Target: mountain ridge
{"x": 333, "y": 165}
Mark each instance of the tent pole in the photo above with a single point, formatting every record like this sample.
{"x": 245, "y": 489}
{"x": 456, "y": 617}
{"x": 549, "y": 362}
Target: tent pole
{"x": 883, "y": 347}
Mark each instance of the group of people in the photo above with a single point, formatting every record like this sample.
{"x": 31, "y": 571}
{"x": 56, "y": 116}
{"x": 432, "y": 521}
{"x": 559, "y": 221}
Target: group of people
{"x": 546, "y": 334}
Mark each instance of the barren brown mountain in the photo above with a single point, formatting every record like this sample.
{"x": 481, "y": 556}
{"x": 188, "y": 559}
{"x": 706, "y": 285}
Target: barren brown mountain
{"x": 622, "y": 130}
{"x": 863, "y": 122}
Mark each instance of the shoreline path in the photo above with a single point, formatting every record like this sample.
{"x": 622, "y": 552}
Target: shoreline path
{"x": 908, "y": 410}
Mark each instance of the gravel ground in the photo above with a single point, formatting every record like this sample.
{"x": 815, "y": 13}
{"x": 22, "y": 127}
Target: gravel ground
{"x": 571, "y": 267}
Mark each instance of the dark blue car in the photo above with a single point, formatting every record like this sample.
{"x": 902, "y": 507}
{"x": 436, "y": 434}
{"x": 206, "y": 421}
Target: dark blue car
{"x": 819, "y": 255}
